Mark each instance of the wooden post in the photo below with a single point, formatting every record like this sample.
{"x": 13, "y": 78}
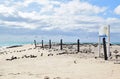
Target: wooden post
{"x": 49, "y": 44}
{"x": 61, "y": 45}
{"x": 104, "y": 47}
{"x": 108, "y": 50}
{"x": 42, "y": 43}
{"x": 35, "y": 43}
{"x": 99, "y": 44}
{"x": 78, "y": 47}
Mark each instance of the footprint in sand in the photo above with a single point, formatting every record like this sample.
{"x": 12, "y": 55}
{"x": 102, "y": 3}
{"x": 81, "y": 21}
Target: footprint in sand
{"x": 46, "y": 77}
{"x": 57, "y": 78}
{"x": 1, "y": 75}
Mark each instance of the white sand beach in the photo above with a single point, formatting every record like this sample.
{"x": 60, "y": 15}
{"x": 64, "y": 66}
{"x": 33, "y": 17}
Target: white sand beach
{"x": 59, "y": 39}
{"x": 26, "y": 62}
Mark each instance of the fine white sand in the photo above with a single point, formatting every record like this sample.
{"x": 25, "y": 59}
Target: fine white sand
{"x": 36, "y": 64}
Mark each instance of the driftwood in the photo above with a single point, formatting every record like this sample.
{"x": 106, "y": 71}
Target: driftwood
{"x": 15, "y": 46}
{"x": 25, "y": 56}
{"x": 12, "y": 58}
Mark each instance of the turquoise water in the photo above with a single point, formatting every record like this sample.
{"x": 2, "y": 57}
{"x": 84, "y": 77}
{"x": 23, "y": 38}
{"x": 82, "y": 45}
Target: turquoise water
{"x": 12, "y": 43}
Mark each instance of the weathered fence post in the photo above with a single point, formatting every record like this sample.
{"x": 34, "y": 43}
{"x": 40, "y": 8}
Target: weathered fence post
{"x": 78, "y": 45}
{"x": 42, "y": 44}
{"x": 49, "y": 44}
{"x": 105, "y": 50}
{"x": 35, "y": 43}
{"x": 61, "y": 44}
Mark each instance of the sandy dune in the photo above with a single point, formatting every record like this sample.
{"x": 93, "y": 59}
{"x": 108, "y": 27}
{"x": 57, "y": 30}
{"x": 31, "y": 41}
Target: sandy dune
{"x": 30, "y": 63}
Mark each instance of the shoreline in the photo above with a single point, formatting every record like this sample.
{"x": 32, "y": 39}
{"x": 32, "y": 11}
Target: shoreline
{"x": 47, "y": 43}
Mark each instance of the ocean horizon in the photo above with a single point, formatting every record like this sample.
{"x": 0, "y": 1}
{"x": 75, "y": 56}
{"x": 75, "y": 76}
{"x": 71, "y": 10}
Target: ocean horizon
{"x": 14, "y": 43}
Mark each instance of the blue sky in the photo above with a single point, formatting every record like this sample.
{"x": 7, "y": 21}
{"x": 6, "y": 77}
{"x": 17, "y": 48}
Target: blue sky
{"x": 26, "y": 20}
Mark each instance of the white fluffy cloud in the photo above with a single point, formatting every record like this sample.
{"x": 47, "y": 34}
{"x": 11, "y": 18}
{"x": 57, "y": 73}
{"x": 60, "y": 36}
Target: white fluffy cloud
{"x": 74, "y": 22}
{"x": 77, "y": 7}
{"x": 117, "y": 10}
{"x": 19, "y": 24}
{"x": 6, "y": 11}
{"x": 115, "y": 24}
{"x": 51, "y": 14}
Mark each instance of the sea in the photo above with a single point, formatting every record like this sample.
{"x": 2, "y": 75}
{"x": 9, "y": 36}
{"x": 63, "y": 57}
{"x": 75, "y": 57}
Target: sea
{"x": 14, "y": 43}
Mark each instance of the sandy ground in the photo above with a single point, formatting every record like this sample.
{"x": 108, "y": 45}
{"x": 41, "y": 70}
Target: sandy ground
{"x": 49, "y": 64}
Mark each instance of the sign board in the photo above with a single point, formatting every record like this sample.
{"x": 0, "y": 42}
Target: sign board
{"x": 103, "y": 31}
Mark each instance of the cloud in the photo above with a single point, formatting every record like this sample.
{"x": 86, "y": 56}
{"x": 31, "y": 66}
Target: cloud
{"x": 74, "y": 22}
{"x": 18, "y": 24}
{"x": 66, "y": 16}
{"x": 115, "y": 24}
{"x": 33, "y": 15}
{"x": 53, "y": 14}
{"x": 77, "y": 7}
{"x": 117, "y": 10}
{"x": 6, "y": 11}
